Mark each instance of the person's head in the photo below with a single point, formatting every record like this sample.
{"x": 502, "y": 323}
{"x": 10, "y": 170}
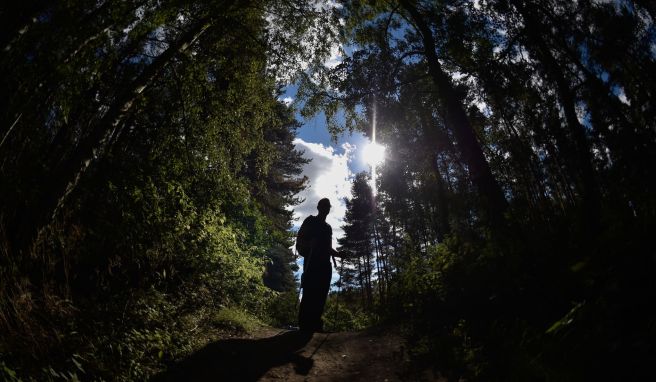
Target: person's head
{"x": 323, "y": 206}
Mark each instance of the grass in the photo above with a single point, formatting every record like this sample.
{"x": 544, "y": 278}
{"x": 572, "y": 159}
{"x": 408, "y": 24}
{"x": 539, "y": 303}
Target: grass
{"x": 236, "y": 319}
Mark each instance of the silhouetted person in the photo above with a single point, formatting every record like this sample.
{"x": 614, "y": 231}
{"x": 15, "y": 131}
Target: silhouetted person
{"x": 314, "y": 243}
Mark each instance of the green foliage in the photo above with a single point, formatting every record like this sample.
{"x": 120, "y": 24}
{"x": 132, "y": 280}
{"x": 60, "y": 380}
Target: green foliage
{"x": 152, "y": 170}
{"x": 236, "y": 319}
{"x": 341, "y": 316}
{"x": 512, "y": 212}
{"x": 149, "y": 167}
{"x": 358, "y": 243}
{"x": 8, "y": 374}
{"x": 282, "y": 310}
{"x": 564, "y": 322}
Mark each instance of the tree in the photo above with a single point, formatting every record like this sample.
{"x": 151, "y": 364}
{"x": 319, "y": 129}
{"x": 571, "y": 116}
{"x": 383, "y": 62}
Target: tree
{"x": 358, "y": 238}
{"x": 148, "y": 147}
{"x": 111, "y": 55}
{"x": 545, "y": 96}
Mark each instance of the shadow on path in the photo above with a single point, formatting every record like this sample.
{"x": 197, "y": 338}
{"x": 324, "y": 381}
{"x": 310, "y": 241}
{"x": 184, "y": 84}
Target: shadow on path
{"x": 241, "y": 359}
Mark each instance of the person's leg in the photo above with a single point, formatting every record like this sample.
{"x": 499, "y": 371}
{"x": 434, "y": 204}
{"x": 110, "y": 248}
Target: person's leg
{"x": 323, "y": 288}
{"x": 303, "y": 312}
{"x": 315, "y": 292}
{"x": 307, "y": 309}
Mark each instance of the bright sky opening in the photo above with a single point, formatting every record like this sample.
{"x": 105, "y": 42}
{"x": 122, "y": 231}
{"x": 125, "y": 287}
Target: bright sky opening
{"x": 373, "y": 154}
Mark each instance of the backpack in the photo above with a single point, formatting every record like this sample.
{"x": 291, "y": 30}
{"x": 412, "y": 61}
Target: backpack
{"x": 305, "y": 237}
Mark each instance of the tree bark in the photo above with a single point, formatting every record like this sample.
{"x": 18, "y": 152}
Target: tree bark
{"x": 457, "y": 121}
{"x": 589, "y": 190}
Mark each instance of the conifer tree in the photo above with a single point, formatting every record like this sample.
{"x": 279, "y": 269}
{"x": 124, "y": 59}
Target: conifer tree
{"x": 358, "y": 238}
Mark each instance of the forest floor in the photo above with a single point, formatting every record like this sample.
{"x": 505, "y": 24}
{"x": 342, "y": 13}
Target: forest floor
{"x": 377, "y": 354}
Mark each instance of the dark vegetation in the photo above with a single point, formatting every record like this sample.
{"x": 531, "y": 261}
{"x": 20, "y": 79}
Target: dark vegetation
{"x": 515, "y": 207}
{"x": 146, "y": 166}
{"x": 146, "y": 171}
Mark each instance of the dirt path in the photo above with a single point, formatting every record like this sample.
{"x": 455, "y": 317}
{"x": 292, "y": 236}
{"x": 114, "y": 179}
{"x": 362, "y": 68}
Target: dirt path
{"x": 279, "y": 355}
{"x": 374, "y": 355}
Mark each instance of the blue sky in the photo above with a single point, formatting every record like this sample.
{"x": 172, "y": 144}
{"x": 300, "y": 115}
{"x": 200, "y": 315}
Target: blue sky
{"x": 332, "y": 166}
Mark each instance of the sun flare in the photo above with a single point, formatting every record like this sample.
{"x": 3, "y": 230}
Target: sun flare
{"x": 373, "y": 154}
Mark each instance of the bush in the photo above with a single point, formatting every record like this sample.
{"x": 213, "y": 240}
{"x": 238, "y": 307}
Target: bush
{"x": 282, "y": 310}
{"x": 340, "y": 316}
{"x": 236, "y": 319}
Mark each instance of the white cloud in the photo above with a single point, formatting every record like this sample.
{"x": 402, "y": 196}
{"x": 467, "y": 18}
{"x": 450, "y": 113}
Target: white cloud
{"x": 335, "y": 57}
{"x": 329, "y": 177}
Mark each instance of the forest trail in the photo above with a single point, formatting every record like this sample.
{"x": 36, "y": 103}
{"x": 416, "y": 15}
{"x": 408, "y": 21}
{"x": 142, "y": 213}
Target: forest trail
{"x": 377, "y": 354}
{"x": 348, "y": 356}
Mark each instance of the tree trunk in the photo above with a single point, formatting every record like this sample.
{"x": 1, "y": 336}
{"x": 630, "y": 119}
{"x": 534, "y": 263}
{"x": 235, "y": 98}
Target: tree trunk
{"x": 442, "y": 205}
{"x": 495, "y": 203}
{"x": 583, "y": 157}
{"x": 361, "y": 282}
{"x": 379, "y": 265}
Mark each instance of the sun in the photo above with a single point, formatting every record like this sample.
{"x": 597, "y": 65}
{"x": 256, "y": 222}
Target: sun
{"x": 373, "y": 154}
